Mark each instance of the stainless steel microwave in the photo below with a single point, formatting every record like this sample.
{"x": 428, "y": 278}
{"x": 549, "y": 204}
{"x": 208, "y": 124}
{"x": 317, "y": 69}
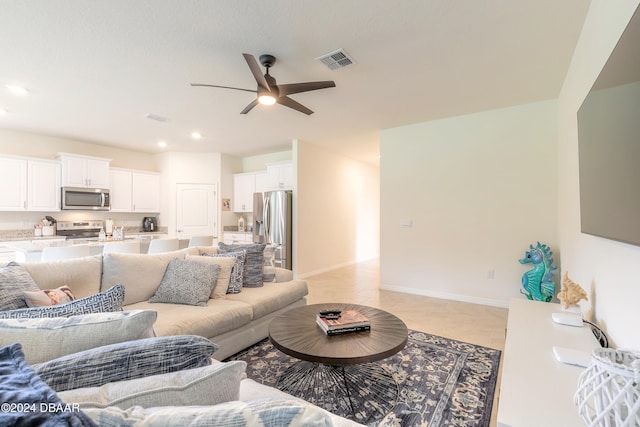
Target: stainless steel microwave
{"x": 91, "y": 199}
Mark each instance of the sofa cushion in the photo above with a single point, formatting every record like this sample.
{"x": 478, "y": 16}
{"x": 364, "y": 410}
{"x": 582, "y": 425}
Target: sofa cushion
{"x": 208, "y": 385}
{"x": 49, "y": 338}
{"x": 126, "y": 361}
{"x": 20, "y": 386}
{"x": 253, "y": 263}
{"x": 271, "y": 297}
{"x": 103, "y": 302}
{"x": 139, "y": 273}
{"x": 260, "y": 412}
{"x": 237, "y": 272}
{"x": 224, "y": 276}
{"x": 48, "y": 297}
{"x": 186, "y": 282}
{"x": 14, "y": 280}
{"x": 82, "y": 275}
{"x": 218, "y": 317}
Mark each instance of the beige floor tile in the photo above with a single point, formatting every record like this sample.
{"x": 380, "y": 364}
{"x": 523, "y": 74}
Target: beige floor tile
{"x": 359, "y": 284}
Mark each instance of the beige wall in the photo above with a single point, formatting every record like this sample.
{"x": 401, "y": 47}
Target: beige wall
{"x": 608, "y": 270}
{"x": 46, "y": 147}
{"x": 478, "y": 189}
{"x": 336, "y": 210}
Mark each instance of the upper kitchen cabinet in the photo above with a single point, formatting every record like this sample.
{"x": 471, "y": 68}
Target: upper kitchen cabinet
{"x": 280, "y": 176}
{"x": 35, "y": 184}
{"x": 244, "y": 185}
{"x": 134, "y": 191}
{"x": 84, "y": 171}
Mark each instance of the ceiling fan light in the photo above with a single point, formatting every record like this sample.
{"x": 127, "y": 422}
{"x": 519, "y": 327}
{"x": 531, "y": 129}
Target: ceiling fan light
{"x": 267, "y": 99}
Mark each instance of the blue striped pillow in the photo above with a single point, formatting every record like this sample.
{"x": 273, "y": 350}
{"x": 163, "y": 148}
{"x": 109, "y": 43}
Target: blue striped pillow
{"x": 103, "y": 302}
{"x": 253, "y": 263}
{"x": 126, "y": 361}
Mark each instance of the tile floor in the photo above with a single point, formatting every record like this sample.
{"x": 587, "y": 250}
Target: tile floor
{"x": 358, "y": 284}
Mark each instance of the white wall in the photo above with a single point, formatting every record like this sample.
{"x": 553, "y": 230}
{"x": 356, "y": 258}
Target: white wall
{"x": 336, "y": 210}
{"x": 608, "y": 270}
{"x": 478, "y": 190}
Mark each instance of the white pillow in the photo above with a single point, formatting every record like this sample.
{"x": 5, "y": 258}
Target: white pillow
{"x": 45, "y": 339}
{"x": 208, "y": 385}
{"x": 224, "y": 277}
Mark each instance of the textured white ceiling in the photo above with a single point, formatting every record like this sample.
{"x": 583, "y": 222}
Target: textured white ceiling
{"x": 96, "y": 68}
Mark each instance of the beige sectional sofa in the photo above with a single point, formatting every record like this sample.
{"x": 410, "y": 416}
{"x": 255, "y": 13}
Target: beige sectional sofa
{"x": 234, "y": 322}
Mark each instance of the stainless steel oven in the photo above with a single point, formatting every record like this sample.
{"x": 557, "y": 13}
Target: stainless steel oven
{"x": 78, "y": 198}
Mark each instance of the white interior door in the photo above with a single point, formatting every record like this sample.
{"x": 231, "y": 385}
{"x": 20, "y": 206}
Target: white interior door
{"x": 197, "y": 212}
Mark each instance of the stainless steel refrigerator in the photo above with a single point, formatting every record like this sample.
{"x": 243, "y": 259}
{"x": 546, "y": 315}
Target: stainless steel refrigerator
{"x": 272, "y": 223}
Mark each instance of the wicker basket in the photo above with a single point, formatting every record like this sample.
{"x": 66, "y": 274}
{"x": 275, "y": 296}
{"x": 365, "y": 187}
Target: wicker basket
{"x": 609, "y": 389}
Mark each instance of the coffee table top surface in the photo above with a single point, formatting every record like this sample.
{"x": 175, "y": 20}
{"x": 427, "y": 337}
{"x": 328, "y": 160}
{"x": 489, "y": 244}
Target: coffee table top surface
{"x": 297, "y": 334}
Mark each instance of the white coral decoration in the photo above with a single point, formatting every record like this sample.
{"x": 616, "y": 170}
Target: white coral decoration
{"x": 570, "y": 292}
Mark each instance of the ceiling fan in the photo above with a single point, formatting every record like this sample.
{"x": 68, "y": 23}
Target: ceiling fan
{"x": 268, "y": 91}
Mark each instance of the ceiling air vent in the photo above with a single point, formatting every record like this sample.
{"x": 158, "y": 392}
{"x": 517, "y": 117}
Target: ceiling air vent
{"x": 336, "y": 59}
{"x": 156, "y": 117}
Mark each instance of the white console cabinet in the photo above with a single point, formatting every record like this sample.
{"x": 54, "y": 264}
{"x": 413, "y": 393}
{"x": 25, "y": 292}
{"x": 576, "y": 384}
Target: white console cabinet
{"x": 536, "y": 389}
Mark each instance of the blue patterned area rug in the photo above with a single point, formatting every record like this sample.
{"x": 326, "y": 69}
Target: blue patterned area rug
{"x": 441, "y": 382}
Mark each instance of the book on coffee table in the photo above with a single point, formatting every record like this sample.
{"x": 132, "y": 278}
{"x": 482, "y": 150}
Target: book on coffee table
{"x": 348, "y": 321}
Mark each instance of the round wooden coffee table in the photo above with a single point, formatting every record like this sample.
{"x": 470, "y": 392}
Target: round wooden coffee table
{"x": 337, "y": 372}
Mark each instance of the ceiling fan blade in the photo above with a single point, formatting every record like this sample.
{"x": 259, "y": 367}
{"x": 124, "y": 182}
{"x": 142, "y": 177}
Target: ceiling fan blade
{"x": 249, "y": 107}
{"x": 288, "y": 102}
{"x": 292, "y": 88}
{"x": 224, "y": 87}
{"x": 255, "y": 70}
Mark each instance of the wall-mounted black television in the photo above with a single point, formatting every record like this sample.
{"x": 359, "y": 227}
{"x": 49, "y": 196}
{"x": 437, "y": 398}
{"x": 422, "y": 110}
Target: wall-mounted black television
{"x": 609, "y": 144}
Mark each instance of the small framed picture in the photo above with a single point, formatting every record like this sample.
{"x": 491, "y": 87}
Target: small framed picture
{"x": 226, "y": 204}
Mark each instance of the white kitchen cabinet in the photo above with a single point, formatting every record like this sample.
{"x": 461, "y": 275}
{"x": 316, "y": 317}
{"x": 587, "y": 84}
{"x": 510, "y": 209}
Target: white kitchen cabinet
{"x": 237, "y": 238}
{"x": 262, "y": 182}
{"x": 43, "y": 182}
{"x": 244, "y": 185}
{"x": 134, "y": 191}
{"x": 35, "y": 184}
{"x": 84, "y": 171}
{"x": 280, "y": 176}
{"x": 13, "y": 197}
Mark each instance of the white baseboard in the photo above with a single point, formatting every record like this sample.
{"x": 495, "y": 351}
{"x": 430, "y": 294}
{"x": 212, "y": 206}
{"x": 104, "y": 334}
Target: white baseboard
{"x": 446, "y": 295}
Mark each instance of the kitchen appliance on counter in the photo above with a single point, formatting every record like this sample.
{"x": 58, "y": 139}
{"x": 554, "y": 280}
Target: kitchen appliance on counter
{"x": 79, "y": 198}
{"x": 272, "y": 223}
{"x": 80, "y": 229}
{"x": 149, "y": 224}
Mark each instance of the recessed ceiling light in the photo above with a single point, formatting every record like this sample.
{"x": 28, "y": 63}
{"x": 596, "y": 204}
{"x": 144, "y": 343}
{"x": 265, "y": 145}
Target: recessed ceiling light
{"x": 162, "y": 144}
{"x": 196, "y": 135}
{"x": 17, "y": 90}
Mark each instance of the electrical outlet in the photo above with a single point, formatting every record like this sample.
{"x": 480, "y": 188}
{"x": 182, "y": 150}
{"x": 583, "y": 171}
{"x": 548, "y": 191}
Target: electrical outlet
{"x": 490, "y": 274}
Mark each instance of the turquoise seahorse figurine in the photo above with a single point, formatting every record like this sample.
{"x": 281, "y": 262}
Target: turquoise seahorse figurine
{"x": 538, "y": 282}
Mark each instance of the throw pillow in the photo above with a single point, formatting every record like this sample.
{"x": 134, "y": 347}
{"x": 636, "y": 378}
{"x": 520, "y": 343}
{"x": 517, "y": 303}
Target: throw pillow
{"x": 139, "y": 273}
{"x": 224, "y": 277}
{"x": 49, "y": 338}
{"x": 103, "y": 302}
{"x": 208, "y": 385}
{"x": 237, "y": 273}
{"x": 23, "y": 395}
{"x": 14, "y": 280}
{"x": 259, "y": 412}
{"x": 49, "y": 297}
{"x": 187, "y": 282}
{"x": 253, "y": 263}
{"x": 126, "y": 361}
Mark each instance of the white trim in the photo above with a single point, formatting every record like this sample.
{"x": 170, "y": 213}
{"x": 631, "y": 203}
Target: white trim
{"x": 446, "y": 295}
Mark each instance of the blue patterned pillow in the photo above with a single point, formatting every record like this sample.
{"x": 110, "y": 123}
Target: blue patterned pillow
{"x": 275, "y": 412}
{"x": 187, "y": 282}
{"x": 126, "y": 361}
{"x": 237, "y": 273}
{"x": 253, "y": 263}
{"x": 103, "y": 302}
{"x": 14, "y": 280}
{"x": 24, "y": 389}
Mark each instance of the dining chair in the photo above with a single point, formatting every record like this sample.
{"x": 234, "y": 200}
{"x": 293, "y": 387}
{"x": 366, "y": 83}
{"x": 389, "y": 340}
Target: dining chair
{"x": 163, "y": 245}
{"x": 200, "y": 241}
{"x": 54, "y": 253}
